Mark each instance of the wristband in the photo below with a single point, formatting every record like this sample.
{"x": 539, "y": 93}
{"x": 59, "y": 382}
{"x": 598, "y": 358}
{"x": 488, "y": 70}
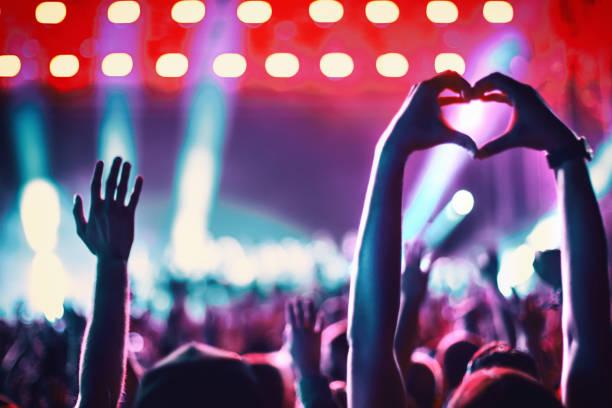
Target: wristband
{"x": 579, "y": 148}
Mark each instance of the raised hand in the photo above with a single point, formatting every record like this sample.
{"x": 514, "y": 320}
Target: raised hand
{"x": 419, "y": 124}
{"x": 415, "y": 279}
{"x": 304, "y": 337}
{"x": 109, "y": 231}
{"x": 534, "y": 124}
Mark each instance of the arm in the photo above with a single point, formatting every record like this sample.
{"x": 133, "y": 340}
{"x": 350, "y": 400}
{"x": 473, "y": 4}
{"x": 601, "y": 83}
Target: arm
{"x": 584, "y": 279}
{"x": 413, "y": 291}
{"x": 304, "y": 344}
{"x": 108, "y": 233}
{"x": 373, "y": 375}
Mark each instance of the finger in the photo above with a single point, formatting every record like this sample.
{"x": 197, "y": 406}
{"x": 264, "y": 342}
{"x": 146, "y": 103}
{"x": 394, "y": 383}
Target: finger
{"x": 496, "y": 97}
{"x": 111, "y": 181}
{"x": 310, "y": 314}
{"x": 299, "y": 308}
{"x": 463, "y": 140}
{"x": 496, "y": 146}
{"x": 123, "y": 183}
{"x": 497, "y": 82}
{"x": 450, "y": 100}
{"x": 96, "y": 183}
{"x": 450, "y": 80}
{"x": 79, "y": 216}
{"x": 290, "y": 314}
{"x": 319, "y": 323}
{"x": 136, "y": 193}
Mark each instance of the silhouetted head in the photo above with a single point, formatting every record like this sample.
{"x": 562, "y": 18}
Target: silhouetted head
{"x": 269, "y": 380}
{"x": 502, "y": 388}
{"x": 334, "y": 351}
{"x": 454, "y": 353}
{"x": 500, "y": 354}
{"x": 197, "y": 375}
{"x": 424, "y": 380}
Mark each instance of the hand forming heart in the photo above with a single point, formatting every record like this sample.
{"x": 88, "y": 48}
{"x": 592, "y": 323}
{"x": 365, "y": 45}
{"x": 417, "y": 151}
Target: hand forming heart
{"x": 419, "y": 124}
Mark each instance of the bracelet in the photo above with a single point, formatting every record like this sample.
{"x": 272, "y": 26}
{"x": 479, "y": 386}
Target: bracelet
{"x": 579, "y": 148}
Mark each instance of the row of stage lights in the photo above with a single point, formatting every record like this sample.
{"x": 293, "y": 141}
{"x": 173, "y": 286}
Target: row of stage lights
{"x": 233, "y": 65}
{"x": 259, "y": 12}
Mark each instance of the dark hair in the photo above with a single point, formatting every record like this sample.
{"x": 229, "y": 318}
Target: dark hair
{"x": 500, "y": 354}
{"x": 502, "y": 388}
{"x": 197, "y": 375}
{"x": 454, "y": 353}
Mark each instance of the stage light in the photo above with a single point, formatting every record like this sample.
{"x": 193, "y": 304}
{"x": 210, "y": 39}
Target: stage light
{"x": 516, "y": 268}
{"x": 254, "y": 12}
{"x": 462, "y": 202}
{"x": 498, "y": 12}
{"x": 282, "y": 65}
{"x": 449, "y": 61}
{"x": 229, "y": 65}
{"x": 336, "y": 65}
{"x": 47, "y": 286}
{"x": 50, "y": 12}
{"x": 442, "y": 12}
{"x": 117, "y": 64}
{"x": 10, "y": 65}
{"x": 392, "y": 65}
{"x": 172, "y": 65}
{"x": 40, "y": 214}
{"x": 382, "y": 12}
{"x": 188, "y": 12}
{"x": 64, "y": 66}
{"x": 123, "y": 12}
{"x": 326, "y": 11}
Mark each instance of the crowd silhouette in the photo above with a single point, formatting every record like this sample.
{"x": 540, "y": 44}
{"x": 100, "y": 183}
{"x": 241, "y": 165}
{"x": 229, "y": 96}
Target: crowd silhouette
{"x": 384, "y": 341}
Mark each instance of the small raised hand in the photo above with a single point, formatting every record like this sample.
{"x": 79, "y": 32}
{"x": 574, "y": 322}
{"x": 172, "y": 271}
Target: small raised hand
{"x": 419, "y": 123}
{"x": 109, "y": 230}
{"x": 414, "y": 278}
{"x": 534, "y": 125}
{"x": 304, "y": 337}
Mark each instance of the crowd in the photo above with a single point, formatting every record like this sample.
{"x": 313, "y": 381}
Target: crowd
{"x": 385, "y": 341}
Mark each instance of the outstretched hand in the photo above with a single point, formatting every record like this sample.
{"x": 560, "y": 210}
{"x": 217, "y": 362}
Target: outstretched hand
{"x": 304, "y": 336}
{"x": 414, "y": 278}
{"x": 109, "y": 230}
{"x": 534, "y": 126}
{"x": 419, "y": 123}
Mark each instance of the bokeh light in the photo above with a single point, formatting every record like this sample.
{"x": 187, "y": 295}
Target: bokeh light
{"x": 442, "y": 12}
{"x": 10, "y": 65}
{"x": 172, "y": 65}
{"x": 392, "y": 65}
{"x": 117, "y": 64}
{"x": 336, "y": 65}
{"x": 40, "y": 214}
{"x": 188, "y": 11}
{"x": 123, "y": 12}
{"x": 282, "y": 65}
{"x": 382, "y": 12}
{"x": 254, "y": 12}
{"x": 64, "y": 66}
{"x": 498, "y": 12}
{"x": 229, "y": 65}
{"x": 462, "y": 202}
{"x": 449, "y": 61}
{"x": 326, "y": 11}
{"x": 50, "y": 12}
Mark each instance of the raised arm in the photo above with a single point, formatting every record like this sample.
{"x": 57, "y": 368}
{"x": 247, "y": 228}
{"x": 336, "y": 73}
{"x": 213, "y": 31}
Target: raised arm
{"x": 413, "y": 290}
{"x": 584, "y": 279}
{"x": 304, "y": 344}
{"x": 108, "y": 233}
{"x": 373, "y": 375}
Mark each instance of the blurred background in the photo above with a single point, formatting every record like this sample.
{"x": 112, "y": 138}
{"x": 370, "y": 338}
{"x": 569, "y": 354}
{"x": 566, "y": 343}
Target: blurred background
{"x": 254, "y": 124}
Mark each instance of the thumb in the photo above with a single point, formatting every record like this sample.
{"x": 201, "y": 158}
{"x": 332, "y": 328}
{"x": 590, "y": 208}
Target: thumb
{"x": 79, "y": 216}
{"x": 498, "y": 145}
{"x": 463, "y": 140}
